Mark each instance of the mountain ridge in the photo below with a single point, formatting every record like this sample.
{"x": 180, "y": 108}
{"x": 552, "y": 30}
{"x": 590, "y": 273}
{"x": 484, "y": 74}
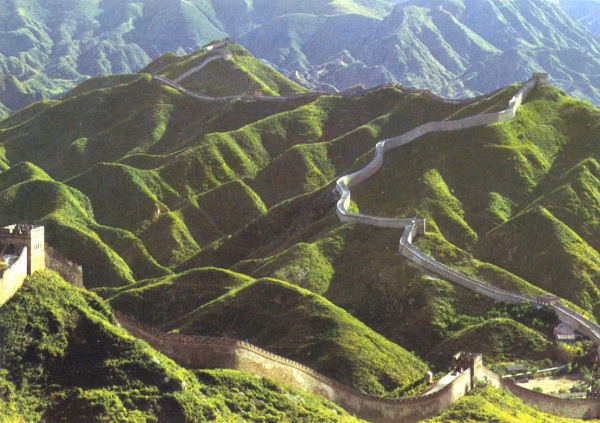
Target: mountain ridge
{"x": 440, "y": 46}
{"x": 200, "y": 196}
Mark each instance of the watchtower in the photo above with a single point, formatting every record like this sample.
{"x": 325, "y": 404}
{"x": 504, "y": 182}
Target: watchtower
{"x": 541, "y": 78}
{"x": 14, "y": 237}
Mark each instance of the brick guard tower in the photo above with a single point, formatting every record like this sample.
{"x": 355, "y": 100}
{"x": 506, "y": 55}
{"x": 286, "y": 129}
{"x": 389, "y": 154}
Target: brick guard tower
{"x": 14, "y": 237}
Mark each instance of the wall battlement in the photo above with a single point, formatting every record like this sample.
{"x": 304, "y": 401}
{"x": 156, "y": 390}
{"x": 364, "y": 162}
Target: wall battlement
{"x": 214, "y": 352}
{"x": 14, "y": 237}
{"x": 22, "y": 245}
{"x": 413, "y": 227}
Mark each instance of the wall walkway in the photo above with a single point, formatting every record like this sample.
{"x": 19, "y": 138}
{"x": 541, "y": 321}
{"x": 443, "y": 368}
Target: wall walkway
{"x": 416, "y": 226}
{"x": 212, "y": 352}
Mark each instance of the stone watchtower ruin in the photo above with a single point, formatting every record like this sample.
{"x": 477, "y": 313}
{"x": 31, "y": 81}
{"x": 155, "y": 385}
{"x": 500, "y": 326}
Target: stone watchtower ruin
{"x": 14, "y": 237}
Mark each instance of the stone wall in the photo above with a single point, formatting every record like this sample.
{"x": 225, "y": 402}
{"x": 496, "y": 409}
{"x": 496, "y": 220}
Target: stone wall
{"x": 585, "y": 408}
{"x": 309, "y": 95}
{"x": 345, "y": 182}
{"x": 412, "y": 253}
{"x": 67, "y": 269}
{"x": 414, "y": 226}
{"x": 12, "y": 278}
{"x": 577, "y": 408}
{"x": 211, "y": 352}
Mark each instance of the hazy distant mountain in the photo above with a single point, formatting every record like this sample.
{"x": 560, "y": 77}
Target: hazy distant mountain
{"x": 455, "y": 48}
{"x": 452, "y": 47}
{"x": 586, "y": 12}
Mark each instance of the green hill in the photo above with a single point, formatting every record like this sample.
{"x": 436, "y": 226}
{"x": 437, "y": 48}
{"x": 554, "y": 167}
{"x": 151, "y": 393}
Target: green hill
{"x": 216, "y": 302}
{"x": 241, "y": 73}
{"x": 454, "y": 48}
{"x": 490, "y": 339}
{"x": 182, "y": 212}
{"x": 63, "y": 359}
{"x": 491, "y": 404}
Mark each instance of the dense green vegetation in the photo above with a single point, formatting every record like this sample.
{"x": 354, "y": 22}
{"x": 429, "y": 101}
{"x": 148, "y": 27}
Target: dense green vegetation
{"x": 240, "y": 74}
{"x": 63, "y": 359}
{"x": 454, "y": 48}
{"x": 487, "y": 404}
{"x": 326, "y": 338}
{"x": 218, "y": 218}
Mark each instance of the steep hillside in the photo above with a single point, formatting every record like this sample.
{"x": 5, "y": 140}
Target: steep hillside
{"x": 279, "y": 317}
{"x": 206, "y": 72}
{"x": 492, "y": 404}
{"x": 455, "y": 48}
{"x": 217, "y": 216}
{"x": 586, "y": 12}
{"x": 63, "y": 359}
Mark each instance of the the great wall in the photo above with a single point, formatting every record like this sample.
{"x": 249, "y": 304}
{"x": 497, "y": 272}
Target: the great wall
{"x": 213, "y": 352}
{"x": 420, "y": 406}
{"x": 24, "y": 250}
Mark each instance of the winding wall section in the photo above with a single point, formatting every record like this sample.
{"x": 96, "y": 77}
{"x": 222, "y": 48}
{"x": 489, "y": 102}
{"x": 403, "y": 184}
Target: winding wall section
{"x": 212, "y": 352}
{"x": 369, "y": 407}
{"x": 416, "y": 226}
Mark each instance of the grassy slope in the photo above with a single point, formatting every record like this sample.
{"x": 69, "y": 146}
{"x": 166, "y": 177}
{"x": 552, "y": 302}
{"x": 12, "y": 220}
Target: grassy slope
{"x": 520, "y": 166}
{"x": 64, "y": 359}
{"x": 324, "y": 337}
{"x": 424, "y": 178}
{"x": 240, "y": 74}
{"x": 162, "y": 301}
{"x": 305, "y": 327}
{"x": 487, "y": 404}
{"x": 169, "y": 162}
{"x": 502, "y": 340}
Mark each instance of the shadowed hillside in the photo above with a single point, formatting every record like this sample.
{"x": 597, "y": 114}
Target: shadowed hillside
{"x": 63, "y": 359}
{"x": 205, "y": 216}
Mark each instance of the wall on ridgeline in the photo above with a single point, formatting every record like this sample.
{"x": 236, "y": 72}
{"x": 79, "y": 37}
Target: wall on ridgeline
{"x": 588, "y": 408}
{"x": 344, "y": 183}
{"x": 212, "y": 352}
{"x": 409, "y": 251}
{"x": 168, "y": 82}
{"x": 12, "y": 278}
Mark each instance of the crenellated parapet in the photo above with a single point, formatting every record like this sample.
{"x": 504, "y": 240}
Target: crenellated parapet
{"x": 22, "y": 248}
{"x": 214, "y": 352}
{"x": 14, "y": 237}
